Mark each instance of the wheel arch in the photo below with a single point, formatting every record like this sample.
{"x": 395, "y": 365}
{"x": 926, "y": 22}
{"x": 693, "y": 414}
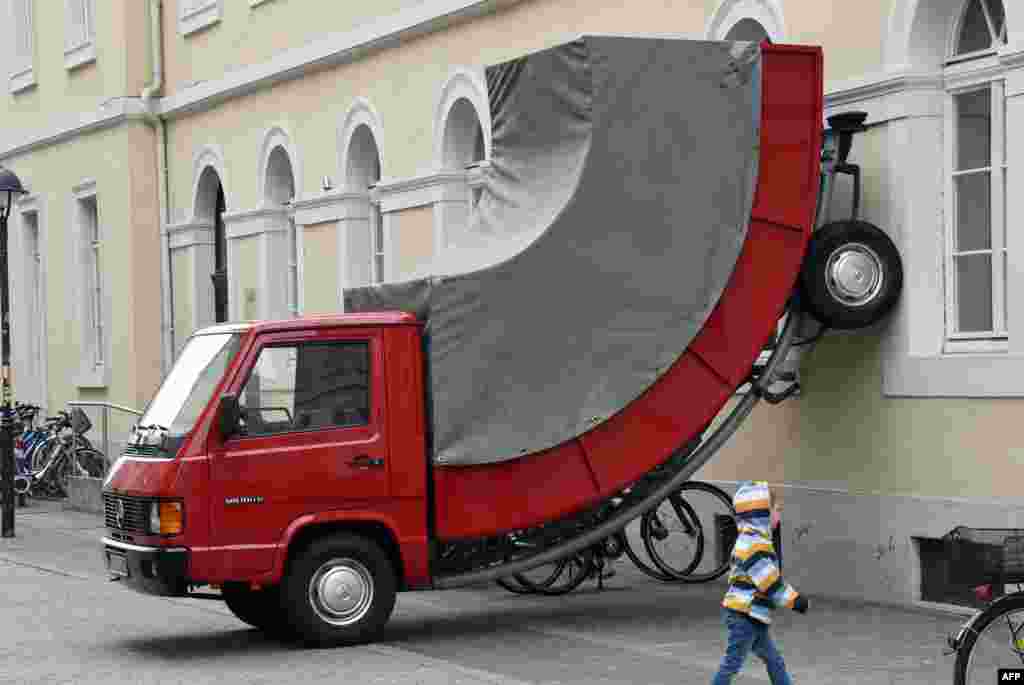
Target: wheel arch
{"x": 305, "y": 530}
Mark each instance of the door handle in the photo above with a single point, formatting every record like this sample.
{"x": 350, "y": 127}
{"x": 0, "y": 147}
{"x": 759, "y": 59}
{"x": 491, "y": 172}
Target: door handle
{"x": 365, "y": 461}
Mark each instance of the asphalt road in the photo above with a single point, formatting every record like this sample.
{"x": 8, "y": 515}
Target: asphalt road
{"x": 62, "y": 621}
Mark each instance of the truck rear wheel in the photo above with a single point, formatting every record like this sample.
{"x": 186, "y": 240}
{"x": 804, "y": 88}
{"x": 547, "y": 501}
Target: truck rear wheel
{"x": 339, "y": 591}
{"x": 852, "y": 275}
{"x": 259, "y": 608}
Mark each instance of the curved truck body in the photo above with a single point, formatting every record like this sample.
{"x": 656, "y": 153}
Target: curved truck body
{"x": 650, "y": 204}
{"x": 659, "y": 195}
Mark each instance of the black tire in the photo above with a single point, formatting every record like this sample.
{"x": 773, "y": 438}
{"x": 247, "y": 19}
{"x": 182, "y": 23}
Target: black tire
{"x": 571, "y": 574}
{"x": 92, "y": 462}
{"x": 686, "y": 491}
{"x": 826, "y": 301}
{"x": 259, "y": 608}
{"x": 688, "y": 517}
{"x": 513, "y": 586}
{"x": 351, "y": 565}
{"x": 647, "y": 568}
{"x": 992, "y": 614}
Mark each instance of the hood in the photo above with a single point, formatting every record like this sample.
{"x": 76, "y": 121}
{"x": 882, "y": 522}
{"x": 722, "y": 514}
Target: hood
{"x": 753, "y": 502}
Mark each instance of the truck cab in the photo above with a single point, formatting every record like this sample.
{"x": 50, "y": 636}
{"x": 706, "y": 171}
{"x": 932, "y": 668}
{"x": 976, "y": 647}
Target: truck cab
{"x": 265, "y": 440}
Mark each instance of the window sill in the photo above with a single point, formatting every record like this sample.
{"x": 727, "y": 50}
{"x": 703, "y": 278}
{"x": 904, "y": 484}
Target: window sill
{"x": 22, "y": 81}
{"x": 969, "y": 375}
{"x": 79, "y": 56}
{"x": 93, "y": 377}
{"x": 200, "y": 18}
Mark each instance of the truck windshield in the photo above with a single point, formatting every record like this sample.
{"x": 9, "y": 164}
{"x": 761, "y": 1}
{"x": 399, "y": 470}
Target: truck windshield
{"x": 189, "y": 385}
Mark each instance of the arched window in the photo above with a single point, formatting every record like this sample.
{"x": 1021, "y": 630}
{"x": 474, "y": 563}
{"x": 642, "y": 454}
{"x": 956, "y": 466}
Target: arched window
{"x": 976, "y": 255}
{"x": 981, "y": 28}
{"x": 280, "y": 190}
{"x": 362, "y": 173}
{"x": 747, "y": 20}
{"x": 747, "y": 29}
{"x": 210, "y": 206}
{"x": 463, "y": 142}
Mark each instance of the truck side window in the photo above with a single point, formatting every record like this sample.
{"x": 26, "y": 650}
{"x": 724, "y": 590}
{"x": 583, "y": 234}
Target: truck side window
{"x": 307, "y": 386}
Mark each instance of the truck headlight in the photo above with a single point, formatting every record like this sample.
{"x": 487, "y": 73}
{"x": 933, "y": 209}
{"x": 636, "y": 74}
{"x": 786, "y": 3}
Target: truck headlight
{"x": 166, "y": 518}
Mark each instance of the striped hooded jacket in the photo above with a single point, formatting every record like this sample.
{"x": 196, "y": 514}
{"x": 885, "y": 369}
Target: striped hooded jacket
{"x": 755, "y": 582}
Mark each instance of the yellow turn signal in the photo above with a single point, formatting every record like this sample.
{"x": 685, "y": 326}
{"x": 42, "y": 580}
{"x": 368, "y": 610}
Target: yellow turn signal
{"x": 172, "y": 519}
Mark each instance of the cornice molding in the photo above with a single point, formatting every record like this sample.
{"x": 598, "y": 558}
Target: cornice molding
{"x": 852, "y": 92}
{"x": 115, "y": 112}
{"x": 426, "y": 17}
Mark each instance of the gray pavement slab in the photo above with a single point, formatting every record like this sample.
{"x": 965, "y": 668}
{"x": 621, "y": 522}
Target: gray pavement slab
{"x": 62, "y": 621}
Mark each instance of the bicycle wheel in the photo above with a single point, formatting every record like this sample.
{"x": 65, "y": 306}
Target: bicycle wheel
{"x": 997, "y": 641}
{"x": 42, "y": 453}
{"x": 717, "y": 517}
{"x": 631, "y": 534}
{"x": 91, "y": 463}
{"x": 571, "y": 574}
{"x": 675, "y": 523}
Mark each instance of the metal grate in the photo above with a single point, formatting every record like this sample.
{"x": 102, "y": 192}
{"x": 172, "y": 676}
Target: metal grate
{"x": 122, "y": 512}
{"x": 984, "y": 555}
{"x": 142, "y": 451}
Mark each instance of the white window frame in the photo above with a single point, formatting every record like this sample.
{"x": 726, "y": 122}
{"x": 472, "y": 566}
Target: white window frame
{"x": 196, "y": 15}
{"x": 79, "y": 41}
{"x": 22, "y": 72}
{"x": 728, "y": 13}
{"x": 966, "y": 73}
{"x": 997, "y": 339}
{"x": 92, "y": 311}
{"x": 378, "y": 241}
{"x": 31, "y": 319}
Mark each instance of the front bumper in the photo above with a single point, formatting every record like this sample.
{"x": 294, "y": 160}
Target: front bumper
{"x": 152, "y": 570}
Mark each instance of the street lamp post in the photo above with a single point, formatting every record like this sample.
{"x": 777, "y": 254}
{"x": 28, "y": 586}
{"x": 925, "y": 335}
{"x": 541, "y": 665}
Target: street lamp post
{"x": 10, "y": 186}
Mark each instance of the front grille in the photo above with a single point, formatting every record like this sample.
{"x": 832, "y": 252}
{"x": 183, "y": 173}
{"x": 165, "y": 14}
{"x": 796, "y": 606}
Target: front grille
{"x": 142, "y": 451}
{"x": 136, "y": 513}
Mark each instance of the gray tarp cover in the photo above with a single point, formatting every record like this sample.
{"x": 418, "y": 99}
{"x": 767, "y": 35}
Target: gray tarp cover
{"x": 621, "y": 185}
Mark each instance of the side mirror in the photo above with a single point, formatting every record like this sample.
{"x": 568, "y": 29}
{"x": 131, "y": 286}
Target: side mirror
{"x": 228, "y": 416}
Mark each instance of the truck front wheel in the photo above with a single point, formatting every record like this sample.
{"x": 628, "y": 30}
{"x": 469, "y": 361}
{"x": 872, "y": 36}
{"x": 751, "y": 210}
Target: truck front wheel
{"x": 259, "y": 608}
{"x": 339, "y": 591}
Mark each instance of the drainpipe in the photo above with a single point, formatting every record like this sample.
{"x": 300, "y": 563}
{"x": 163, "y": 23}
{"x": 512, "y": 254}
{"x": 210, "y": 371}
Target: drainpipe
{"x": 149, "y": 99}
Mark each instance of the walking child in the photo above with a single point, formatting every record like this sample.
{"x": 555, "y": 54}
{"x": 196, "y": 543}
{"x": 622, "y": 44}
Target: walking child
{"x": 756, "y": 588}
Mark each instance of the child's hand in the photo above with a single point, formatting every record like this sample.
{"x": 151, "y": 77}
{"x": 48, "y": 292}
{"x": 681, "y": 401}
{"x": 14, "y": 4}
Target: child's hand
{"x": 801, "y": 605}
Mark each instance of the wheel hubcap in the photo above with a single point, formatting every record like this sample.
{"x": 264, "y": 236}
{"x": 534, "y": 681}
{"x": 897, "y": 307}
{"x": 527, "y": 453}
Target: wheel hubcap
{"x": 854, "y": 275}
{"x": 341, "y": 591}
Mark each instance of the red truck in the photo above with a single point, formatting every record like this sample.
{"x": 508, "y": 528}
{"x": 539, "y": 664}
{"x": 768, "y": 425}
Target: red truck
{"x": 311, "y": 468}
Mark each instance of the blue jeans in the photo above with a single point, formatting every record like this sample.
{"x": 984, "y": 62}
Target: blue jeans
{"x": 746, "y": 634}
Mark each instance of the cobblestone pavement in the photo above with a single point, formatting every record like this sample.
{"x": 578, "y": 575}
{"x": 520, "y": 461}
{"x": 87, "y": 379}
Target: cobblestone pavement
{"x": 62, "y": 621}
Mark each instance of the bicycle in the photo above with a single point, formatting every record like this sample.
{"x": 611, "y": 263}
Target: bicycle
{"x": 987, "y": 559}
{"x": 567, "y": 574}
{"x": 64, "y": 453}
{"x": 679, "y": 521}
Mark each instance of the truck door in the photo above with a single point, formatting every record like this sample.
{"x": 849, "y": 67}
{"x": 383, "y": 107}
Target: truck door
{"x": 310, "y": 440}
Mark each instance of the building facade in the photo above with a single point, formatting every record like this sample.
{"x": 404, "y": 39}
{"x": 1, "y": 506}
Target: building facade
{"x": 194, "y": 161}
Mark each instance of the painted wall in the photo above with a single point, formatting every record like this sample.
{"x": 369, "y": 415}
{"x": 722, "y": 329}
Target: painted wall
{"x": 245, "y": 280}
{"x": 320, "y": 269}
{"x": 120, "y": 69}
{"x": 412, "y": 237}
{"x": 247, "y": 35}
{"x": 181, "y": 272}
{"x": 120, "y": 161}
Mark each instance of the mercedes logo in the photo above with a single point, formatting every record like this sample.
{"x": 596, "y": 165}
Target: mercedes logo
{"x": 119, "y": 514}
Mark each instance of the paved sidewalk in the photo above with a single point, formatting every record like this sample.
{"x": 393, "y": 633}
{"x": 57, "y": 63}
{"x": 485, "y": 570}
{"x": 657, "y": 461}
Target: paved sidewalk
{"x": 636, "y": 630}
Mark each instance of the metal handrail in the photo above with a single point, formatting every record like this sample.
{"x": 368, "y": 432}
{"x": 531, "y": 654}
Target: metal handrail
{"x": 105, "y": 423}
